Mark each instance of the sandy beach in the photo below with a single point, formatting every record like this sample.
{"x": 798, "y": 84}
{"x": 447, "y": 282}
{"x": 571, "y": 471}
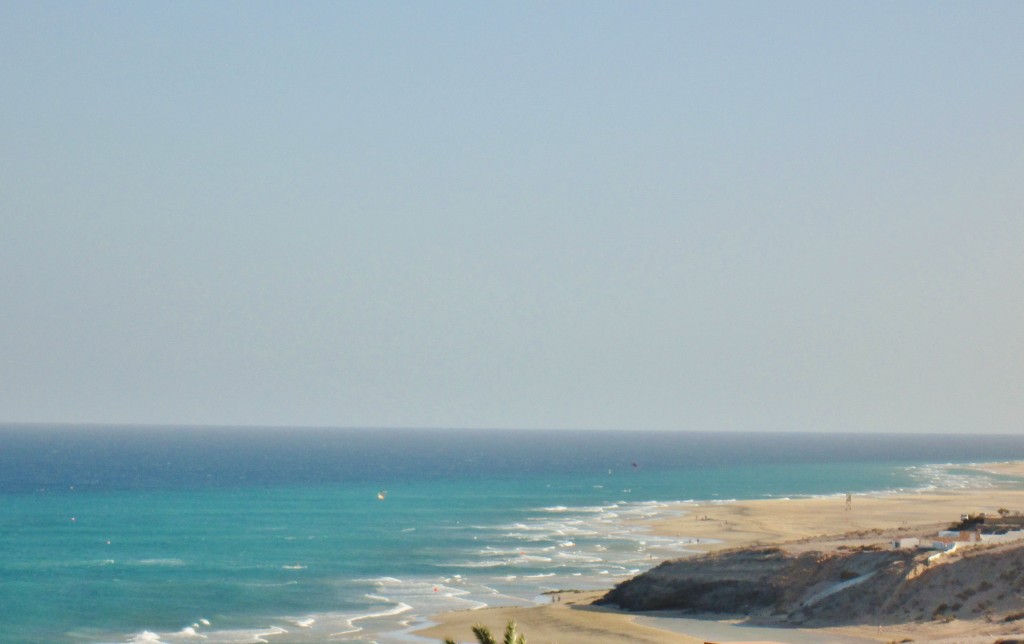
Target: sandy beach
{"x": 812, "y": 523}
{"x": 568, "y": 618}
{"x": 743, "y": 523}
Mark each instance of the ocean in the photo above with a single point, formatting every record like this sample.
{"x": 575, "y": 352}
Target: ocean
{"x": 186, "y": 534}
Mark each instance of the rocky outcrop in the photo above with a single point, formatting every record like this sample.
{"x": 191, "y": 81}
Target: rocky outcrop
{"x": 860, "y": 586}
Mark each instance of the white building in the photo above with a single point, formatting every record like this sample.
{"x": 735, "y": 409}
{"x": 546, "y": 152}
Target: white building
{"x": 906, "y": 543}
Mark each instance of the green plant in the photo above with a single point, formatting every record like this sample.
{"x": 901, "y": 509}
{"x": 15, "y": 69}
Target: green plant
{"x": 483, "y": 635}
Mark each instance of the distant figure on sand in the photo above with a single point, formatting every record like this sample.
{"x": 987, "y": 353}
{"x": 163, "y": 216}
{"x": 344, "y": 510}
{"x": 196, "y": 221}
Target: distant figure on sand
{"x": 849, "y": 501}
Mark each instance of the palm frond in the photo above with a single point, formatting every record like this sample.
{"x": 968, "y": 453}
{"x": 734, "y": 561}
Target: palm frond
{"x": 511, "y": 636}
{"x": 483, "y": 634}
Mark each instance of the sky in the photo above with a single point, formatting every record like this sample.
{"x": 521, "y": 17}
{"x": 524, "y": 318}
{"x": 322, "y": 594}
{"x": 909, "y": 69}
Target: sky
{"x": 725, "y": 216}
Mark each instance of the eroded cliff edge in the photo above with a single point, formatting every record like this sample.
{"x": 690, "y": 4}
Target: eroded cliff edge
{"x": 848, "y": 586}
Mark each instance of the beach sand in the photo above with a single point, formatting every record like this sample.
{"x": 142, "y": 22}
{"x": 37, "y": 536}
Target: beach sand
{"x": 570, "y": 618}
{"x": 804, "y": 522}
{"x": 773, "y": 521}
{"x": 1007, "y": 468}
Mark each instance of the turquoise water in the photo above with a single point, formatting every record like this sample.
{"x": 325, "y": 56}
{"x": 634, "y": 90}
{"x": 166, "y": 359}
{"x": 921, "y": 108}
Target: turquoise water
{"x": 138, "y": 534}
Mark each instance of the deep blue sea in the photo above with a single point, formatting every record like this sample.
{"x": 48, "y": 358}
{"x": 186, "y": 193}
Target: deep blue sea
{"x": 180, "y": 534}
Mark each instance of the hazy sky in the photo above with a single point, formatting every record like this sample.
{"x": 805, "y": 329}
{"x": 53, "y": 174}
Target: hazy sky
{"x": 667, "y": 215}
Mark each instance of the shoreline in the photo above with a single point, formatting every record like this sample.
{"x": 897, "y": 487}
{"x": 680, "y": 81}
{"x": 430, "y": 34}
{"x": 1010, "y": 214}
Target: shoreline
{"x": 809, "y": 523}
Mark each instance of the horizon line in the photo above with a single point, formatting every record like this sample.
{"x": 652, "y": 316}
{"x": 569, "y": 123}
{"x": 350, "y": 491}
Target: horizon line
{"x": 461, "y": 428}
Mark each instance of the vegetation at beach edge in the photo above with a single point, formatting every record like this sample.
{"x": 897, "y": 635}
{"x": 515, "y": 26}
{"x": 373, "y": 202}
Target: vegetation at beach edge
{"x": 484, "y": 636}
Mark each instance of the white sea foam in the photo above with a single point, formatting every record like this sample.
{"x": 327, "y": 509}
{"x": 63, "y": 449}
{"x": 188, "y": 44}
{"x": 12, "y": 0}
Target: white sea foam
{"x": 497, "y": 563}
{"x": 943, "y": 477}
{"x": 381, "y": 580}
{"x": 491, "y": 551}
{"x": 529, "y": 559}
{"x": 349, "y": 631}
{"x": 274, "y": 630}
{"x": 233, "y": 636}
{"x": 586, "y": 509}
{"x": 585, "y": 547}
{"x": 568, "y": 556}
{"x": 399, "y": 608}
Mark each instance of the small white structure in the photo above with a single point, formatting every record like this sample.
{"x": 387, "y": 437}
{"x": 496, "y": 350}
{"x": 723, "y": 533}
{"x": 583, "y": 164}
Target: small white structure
{"x": 1013, "y": 535}
{"x": 906, "y": 543}
{"x": 947, "y": 540}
